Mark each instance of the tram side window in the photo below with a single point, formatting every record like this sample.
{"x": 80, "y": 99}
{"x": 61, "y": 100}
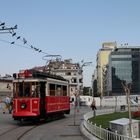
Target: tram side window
{"x": 64, "y": 90}
{"x": 52, "y": 89}
{"x": 58, "y": 90}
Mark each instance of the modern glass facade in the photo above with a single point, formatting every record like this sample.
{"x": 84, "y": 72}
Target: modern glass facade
{"x": 125, "y": 66}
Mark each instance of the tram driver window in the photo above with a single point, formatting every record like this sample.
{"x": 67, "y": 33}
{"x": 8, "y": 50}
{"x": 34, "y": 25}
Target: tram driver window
{"x": 20, "y": 89}
{"x": 14, "y": 90}
{"x": 27, "y": 89}
{"x": 24, "y": 89}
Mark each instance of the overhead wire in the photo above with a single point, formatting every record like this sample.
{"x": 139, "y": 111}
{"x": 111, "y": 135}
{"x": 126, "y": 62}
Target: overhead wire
{"x": 48, "y": 57}
{"x": 5, "y": 41}
{"x": 22, "y": 39}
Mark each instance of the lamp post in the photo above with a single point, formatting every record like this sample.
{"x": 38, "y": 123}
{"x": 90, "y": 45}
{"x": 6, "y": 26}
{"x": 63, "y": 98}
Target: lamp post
{"x": 79, "y": 71}
{"x": 75, "y": 107}
{"x": 77, "y": 91}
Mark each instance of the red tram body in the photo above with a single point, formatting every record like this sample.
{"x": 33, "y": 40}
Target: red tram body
{"x": 38, "y": 95}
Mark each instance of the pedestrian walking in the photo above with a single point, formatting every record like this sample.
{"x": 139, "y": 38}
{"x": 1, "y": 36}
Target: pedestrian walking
{"x": 6, "y": 104}
{"x": 93, "y": 107}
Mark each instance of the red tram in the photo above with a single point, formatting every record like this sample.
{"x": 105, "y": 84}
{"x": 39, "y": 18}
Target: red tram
{"x": 39, "y": 95}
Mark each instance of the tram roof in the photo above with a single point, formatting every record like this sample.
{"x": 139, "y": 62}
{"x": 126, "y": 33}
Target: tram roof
{"x": 37, "y": 74}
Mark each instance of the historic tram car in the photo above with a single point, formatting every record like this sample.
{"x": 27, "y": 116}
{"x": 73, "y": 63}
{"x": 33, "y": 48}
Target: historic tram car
{"x": 39, "y": 95}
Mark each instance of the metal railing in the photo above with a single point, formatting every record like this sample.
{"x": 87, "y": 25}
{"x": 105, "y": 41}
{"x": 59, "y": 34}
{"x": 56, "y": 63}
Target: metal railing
{"x": 102, "y": 134}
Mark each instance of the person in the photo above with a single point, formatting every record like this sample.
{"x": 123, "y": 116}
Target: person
{"x": 93, "y": 107}
{"x": 7, "y": 104}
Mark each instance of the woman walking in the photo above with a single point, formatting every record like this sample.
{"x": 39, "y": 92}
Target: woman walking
{"x": 93, "y": 107}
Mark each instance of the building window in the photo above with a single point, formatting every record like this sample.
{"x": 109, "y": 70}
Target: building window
{"x": 68, "y": 73}
{"x": 80, "y": 80}
{"x": 75, "y": 80}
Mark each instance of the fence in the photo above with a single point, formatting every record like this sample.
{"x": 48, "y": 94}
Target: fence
{"x": 101, "y": 133}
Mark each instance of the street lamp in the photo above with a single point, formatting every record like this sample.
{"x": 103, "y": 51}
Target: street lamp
{"x": 79, "y": 71}
{"x": 77, "y": 91}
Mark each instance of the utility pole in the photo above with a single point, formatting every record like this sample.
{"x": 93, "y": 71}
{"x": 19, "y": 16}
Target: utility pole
{"x": 4, "y": 29}
{"x": 127, "y": 92}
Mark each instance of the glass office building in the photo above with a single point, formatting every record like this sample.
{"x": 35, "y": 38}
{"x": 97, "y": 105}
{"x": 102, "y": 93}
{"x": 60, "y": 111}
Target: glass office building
{"x": 124, "y": 65}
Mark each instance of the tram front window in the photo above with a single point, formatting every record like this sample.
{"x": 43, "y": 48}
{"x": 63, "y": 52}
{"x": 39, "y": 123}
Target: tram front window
{"x": 24, "y": 89}
{"x": 20, "y": 89}
{"x": 27, "y": 89}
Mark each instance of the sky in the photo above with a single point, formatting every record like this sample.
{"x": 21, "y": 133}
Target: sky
{"x": 73, "y": 29}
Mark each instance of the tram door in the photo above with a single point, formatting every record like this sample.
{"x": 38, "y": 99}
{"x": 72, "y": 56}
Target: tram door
{"x": 42, "y": 99}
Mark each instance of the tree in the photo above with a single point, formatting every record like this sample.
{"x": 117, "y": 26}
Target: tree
{"x": 127, "y": 88}
{"x": 86, "y": 91}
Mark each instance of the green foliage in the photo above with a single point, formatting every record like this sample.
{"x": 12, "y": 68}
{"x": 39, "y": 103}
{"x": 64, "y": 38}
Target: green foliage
{"x": 86, "y": 90}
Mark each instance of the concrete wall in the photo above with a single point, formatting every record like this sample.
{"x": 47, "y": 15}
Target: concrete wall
{"x": 109, "y": 101}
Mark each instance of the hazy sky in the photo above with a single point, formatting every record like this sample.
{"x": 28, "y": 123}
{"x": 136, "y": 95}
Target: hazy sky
{"x": 73, "y": 29}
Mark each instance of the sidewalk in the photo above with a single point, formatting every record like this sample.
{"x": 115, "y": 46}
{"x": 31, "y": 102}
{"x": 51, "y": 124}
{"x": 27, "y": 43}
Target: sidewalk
{"x": 73, "y": 126}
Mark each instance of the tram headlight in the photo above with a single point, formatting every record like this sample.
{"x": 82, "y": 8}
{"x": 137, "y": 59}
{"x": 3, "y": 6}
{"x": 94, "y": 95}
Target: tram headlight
{"x": 23, "y": 106}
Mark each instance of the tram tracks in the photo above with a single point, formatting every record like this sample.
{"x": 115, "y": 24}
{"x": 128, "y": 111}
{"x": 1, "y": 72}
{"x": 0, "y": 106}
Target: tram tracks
{"x": 25, "y": 132}
{"x": 20, "y": 131}
{"x": 17, "y": 133}
{"x": 8, "y": 131}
